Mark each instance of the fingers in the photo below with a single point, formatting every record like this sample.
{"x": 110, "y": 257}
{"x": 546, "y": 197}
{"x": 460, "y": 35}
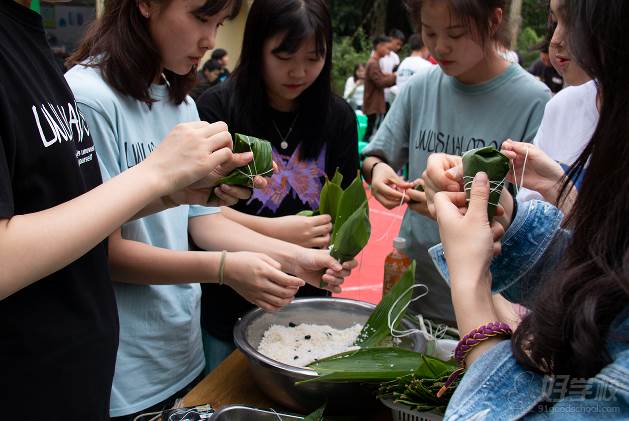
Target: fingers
{"x": 284, "y": 280}
{"x": 479, "y": 196}
{"x": 321, "y": 219}
{"x": 237, "y": 160}
{"x": 208, "y": 130}
{"x": 219, "y": 157}
{"x": 237, "y": 192}
{"x": 388, "y": 196}
{"x": 260, "y": 182}
{"x": 318, "y": 242}
{"x": 447, "y": 206}
{"x": 321, "y": 230}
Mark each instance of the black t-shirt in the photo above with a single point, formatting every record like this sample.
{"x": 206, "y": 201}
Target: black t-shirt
{"x": 60, "y": 334}
{"x": 548, "y": 75}
{"x": 295, "y": 188}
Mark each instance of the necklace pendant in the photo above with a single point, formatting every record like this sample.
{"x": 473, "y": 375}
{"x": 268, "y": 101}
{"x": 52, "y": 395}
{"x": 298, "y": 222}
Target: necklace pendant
{"x": 284, "y": 145}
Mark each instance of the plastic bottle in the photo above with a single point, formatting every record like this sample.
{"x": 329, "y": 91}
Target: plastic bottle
{"x": 395, "y": 264}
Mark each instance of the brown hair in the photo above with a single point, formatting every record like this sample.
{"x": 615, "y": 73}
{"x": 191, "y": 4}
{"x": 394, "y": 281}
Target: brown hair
{"x": 120, "y": 45}
{"x": 472, "y": 13}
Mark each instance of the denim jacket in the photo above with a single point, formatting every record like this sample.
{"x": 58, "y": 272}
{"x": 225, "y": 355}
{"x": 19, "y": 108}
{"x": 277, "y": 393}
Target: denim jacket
{"x": 495, "y": 386}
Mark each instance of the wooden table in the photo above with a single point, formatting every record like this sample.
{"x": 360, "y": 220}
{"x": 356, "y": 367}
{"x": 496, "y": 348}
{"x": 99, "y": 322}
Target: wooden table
{"x": 232, "y": 383}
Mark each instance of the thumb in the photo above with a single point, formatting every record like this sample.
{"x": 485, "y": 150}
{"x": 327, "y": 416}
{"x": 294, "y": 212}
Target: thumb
{"x": 479, "y": 196}
{"x": 237, "y": 160}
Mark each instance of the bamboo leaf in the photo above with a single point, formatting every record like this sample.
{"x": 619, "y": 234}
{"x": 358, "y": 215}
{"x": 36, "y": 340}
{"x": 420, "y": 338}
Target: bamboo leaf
{"x": 376, "y": 329}
{"x": 338, "y": 178}
{"x": 353, "y": 235}
{"x": 367, "y": 364}
{"x": 262, "y": 163}
{"x": 329, "y": 199}
{"x": 492, "y": 162}
{"x": 352, "y": 198}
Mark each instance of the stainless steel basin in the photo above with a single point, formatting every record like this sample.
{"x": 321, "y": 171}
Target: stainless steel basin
{"x": 277, "y": 380}
{"x": 246, "y": 413}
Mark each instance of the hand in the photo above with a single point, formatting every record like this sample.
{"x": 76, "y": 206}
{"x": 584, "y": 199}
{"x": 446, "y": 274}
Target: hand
{"x": 305, "y": 231}
{"x": 417, "y": 198}
{"x": 443, "y": 173}
{"x": 260, "y": 280}
{"x": 541, "y": 173}
{"x": 314, "y": 266}
{"x": 187, "y": 154}
{"x": 387, "y": 186}
{"x": 469, "y": 241}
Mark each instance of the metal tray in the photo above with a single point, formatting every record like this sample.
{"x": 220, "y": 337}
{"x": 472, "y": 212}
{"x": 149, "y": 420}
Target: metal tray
{"x": 246, "y": 413}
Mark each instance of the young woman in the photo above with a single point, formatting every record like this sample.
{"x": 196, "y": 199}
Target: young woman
{"x": 570, "y": 354}
{"x": 129, "y": 104}
{"x": 58, "y": 317}
{"x": 280, "y": 91}
{"x": 474, "y": 98}
{"x": 571, "y": 116}
{"x": 355, "y": 87}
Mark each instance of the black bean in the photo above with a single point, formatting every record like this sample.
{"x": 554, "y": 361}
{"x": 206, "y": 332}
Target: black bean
{"x": 295, "y": 357}
{"x": 291, "y": 324}
{"x": 307, "y": 337}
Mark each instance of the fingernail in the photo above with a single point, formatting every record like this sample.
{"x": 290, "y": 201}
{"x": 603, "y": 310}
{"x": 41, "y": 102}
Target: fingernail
{"x": 247, "y": 155}
{"x": 481, "y": 178}
{"x": 454, "y": 171}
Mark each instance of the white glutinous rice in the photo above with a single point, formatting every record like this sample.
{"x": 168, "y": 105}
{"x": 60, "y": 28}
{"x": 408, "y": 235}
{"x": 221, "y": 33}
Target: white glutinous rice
{"x": 300, "y": 345}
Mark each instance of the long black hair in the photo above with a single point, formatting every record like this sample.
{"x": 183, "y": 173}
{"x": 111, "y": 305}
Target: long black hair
{"x": 298, "y": 20}
{"x": 568, "y": 327}
{"x": 127, "y": 55}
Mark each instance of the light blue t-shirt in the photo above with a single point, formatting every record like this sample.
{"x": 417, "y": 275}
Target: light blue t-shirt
{"x": 436, "y": 113}
{"x": 160, "y": 349}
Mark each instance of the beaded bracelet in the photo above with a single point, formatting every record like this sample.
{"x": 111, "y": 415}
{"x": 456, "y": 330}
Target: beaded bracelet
{"x": 469, "y": 341}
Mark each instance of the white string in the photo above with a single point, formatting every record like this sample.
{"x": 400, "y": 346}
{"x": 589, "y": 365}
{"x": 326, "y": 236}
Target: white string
{"x": 391, "y": 323}
{"x": 386, "y": 233}
{"x": 252, "y": 175}
{"x": 515, "y": 176}
{"x": 495, "y": 186}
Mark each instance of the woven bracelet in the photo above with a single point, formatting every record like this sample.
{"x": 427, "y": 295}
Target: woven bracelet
{"x": 469, "y": 341}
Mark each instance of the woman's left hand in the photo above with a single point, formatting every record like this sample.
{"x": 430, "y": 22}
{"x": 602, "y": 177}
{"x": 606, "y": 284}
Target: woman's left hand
{"x": 469, "y": 240}
{"x": 315, "y": 266}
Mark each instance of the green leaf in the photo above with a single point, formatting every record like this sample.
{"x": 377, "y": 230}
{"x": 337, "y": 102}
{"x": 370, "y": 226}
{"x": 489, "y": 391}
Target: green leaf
{"x": 352, "y": 198}
{"x": 353, "y": 236}
{"x": 376, "y": 329}
{"x": 338, "y": 178}
{"x": 306, "y": 212}
{"x": 329, "y": 200}
{"x": 316, "y": 415}
{"x": 494, "y": 164}
{"x": 375, "y": 364}
{"x": 262, "y": 163}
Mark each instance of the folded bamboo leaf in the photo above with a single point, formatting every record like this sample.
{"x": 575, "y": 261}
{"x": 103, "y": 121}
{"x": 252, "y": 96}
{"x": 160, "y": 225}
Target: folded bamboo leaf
{"x": 352, "y": 198}
{"x": 262, "y": 163}
{"x": 492, "y": 162}
{"x": 353, "y": 235}
{"x": 306, "y": 212}
{"x": 368, "y": 364}
{"x": 376, "y": 329}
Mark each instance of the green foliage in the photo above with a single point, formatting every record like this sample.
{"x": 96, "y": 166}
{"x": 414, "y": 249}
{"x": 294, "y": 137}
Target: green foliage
{"x": 535, "y": 15}
{"x": 347, "y": 53}
{"x": 528, "y": 46}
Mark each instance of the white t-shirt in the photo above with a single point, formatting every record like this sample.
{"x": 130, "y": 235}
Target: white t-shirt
{"x": 387, "y": 64}
{"x": 354, "y": 98}
{"x": 570, "y": 119}
{"x": 408, "y": 68}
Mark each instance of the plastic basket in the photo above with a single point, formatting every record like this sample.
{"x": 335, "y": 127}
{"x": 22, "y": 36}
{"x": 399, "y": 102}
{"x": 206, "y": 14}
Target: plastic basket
{"x": 404, "y": 413}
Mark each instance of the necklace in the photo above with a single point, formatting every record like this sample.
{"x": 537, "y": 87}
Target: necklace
{"x": 284, "y": 143}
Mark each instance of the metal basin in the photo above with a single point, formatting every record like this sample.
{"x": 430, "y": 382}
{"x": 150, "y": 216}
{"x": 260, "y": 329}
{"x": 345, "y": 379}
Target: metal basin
{"x": 277, "y": 380}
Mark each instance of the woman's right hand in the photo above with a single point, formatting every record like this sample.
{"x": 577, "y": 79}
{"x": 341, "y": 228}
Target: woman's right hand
{"x": 260, "y": 280}
{"x": 388, "y": 187}
{"x": 534, "y": 169}
{"x": 188, "y": 155}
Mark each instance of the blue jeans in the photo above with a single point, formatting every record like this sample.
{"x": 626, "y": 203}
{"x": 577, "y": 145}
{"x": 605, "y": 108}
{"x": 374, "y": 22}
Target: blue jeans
{"x": 215, "y": 350}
